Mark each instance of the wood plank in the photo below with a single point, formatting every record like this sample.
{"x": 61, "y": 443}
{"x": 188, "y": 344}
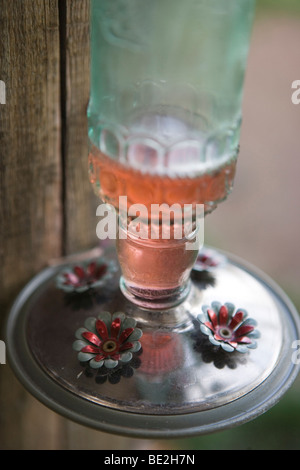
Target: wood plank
{"x": 79, "y": 199}
{"x": 30, "y": 188}
{"x": 30, "y": 171}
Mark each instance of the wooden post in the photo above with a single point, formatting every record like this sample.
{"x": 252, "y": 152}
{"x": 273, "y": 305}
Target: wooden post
{"x": 79, "y": 202}
{"x": 46, "y": 202}
{"x": 30, "y": 187}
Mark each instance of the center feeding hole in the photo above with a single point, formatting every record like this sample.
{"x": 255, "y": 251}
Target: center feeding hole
{"x": 109, "y": 346}
{"x": 225, "y": 333}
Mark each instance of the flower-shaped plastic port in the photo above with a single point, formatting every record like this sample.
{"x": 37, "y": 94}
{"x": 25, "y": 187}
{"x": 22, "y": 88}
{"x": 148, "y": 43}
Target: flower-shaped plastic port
{"x": 108, "y": 340}
{"x": 228, "y": 328}
{"x": 87, "y": 275}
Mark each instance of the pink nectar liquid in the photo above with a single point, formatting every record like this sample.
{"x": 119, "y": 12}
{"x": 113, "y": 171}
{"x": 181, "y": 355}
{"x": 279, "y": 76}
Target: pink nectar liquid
{"x": 155, "y": 269}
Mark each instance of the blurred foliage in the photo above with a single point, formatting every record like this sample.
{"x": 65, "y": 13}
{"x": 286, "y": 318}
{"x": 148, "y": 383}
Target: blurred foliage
{"x": 289, "y": 6}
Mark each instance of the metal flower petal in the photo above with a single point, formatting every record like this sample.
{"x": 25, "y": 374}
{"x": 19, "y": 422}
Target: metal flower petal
{"x": 228, "y": 328}
{"x": 107, "y": 340}
{"x": 87, "y": 275}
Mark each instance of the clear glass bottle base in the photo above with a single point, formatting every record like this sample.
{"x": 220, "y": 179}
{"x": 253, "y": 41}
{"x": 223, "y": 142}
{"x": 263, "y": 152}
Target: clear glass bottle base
{"x": 155, "y": 299}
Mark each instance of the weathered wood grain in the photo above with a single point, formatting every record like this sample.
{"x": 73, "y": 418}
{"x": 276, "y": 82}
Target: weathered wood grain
{"x": 30, "y": 168}
{"x": 79, "y": 200}
{"x": 30, "y": 187}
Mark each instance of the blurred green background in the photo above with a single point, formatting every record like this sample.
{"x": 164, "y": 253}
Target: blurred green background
{"x": 279, "y": 5}
{"x": 260, "y": 220}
